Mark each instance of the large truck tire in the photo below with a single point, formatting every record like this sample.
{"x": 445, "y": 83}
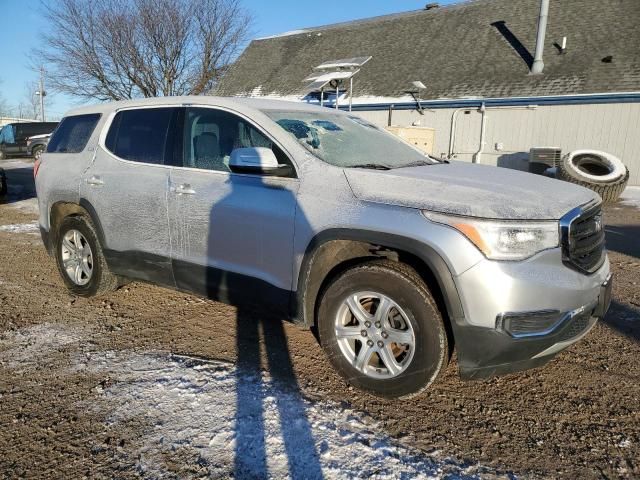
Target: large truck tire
{"x": 599, "y": 171}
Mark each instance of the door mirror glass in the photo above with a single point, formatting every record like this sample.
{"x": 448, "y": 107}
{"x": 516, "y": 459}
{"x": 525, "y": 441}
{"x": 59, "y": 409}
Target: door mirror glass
{"x": 259, "y": 160}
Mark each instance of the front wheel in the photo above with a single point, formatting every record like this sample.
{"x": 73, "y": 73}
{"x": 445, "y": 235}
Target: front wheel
{"x": 80, "y": 259}
{"x": 36, "y": 153}
{"x": 382, "y": 330}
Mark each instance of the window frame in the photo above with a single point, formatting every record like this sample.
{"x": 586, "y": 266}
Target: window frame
{"x": 111, "y": 116}
{"x": 102, "y": 139}
{"x": 252, "y": 123}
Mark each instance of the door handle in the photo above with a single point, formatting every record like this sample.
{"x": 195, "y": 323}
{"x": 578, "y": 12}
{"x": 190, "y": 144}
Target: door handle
{"x": 94, "y": 181}
{"x": 184, "y": 189}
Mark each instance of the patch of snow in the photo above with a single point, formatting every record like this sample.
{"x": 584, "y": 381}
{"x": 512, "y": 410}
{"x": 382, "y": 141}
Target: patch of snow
{"x": 226, "y": 423}
{"x": 31, "y": 227}
{"x": 285, "y": 34}
{"x": 29, "y": 205}
{"x": 30, "y": 345}
{"x": 247, "y": 425}
{"x": 631, "y": 197}
{"x": 16, "y": 163}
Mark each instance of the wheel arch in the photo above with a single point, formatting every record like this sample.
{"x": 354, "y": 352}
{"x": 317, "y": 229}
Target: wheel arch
{"x": 63, "y": 209}
{"x": 331, "y": 252}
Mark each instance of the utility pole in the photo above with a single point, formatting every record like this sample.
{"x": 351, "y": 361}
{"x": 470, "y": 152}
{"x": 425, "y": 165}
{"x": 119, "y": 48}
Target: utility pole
{"x": 42, "y": 94}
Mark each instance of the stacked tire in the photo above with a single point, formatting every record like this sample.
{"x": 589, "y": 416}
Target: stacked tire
{"x": 602, "y": 172}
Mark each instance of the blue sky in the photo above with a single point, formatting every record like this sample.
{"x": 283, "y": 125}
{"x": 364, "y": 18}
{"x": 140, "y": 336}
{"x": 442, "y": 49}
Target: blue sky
{"x": 20, "y": 24}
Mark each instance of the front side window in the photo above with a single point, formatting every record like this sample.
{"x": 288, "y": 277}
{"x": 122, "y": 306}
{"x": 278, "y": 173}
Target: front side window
{"x": 347, "y": 140}
{"x": 211, "y": 135}
{"x": 73, "y": 133}
{"x": 141, "y": 135}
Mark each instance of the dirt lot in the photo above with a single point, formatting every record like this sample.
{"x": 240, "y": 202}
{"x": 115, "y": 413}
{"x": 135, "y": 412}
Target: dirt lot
{"x": 135, "y": 384}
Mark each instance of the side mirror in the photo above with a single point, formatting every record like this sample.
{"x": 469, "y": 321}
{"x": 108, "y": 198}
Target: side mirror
{"x": 257, "y": 160}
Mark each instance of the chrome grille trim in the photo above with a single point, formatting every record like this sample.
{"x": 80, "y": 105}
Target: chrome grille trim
{"x": 582, "y": 238}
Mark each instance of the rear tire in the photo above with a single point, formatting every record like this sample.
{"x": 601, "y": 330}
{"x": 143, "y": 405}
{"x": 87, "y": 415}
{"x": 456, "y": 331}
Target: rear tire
{"x": 80, "y": 260}
{"x": 411, "y": 317}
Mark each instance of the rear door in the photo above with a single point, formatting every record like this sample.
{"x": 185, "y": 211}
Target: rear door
{"x": 232, "y": 233}
{"x": 126, "y": 186}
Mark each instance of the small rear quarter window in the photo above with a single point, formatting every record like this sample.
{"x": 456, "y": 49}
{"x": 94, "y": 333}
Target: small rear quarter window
{"x": 73, "y": 133}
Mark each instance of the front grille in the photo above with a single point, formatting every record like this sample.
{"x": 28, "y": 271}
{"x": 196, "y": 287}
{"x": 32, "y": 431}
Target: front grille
{"x": 575, "y": 327}
{"x": 583, "y": 239}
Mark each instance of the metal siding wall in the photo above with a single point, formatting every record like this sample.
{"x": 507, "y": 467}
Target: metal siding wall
{"x": 613, "y": 128}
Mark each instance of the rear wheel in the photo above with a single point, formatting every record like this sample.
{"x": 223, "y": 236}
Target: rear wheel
{"x": 80, "y": 259}
{"x": 382, "y": 331}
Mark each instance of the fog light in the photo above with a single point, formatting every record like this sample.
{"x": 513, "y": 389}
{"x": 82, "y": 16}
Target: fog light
{"x": 529, "y": 324}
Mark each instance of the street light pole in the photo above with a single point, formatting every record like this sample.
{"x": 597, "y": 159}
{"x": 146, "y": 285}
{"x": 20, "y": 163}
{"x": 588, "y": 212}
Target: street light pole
{"x": 42, "y": 94}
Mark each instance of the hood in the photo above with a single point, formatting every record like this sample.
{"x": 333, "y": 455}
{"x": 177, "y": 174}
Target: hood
{"x": 472, "y": 190}
{"x": 38, "y": 137}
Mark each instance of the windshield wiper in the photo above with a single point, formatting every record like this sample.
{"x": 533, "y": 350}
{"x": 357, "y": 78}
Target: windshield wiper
{"x": 372, "y": 166}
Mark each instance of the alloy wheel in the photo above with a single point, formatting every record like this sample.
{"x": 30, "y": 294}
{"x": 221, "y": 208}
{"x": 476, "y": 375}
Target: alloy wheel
{"x": 77, "y": 258}
{"x": 375, "y": 334}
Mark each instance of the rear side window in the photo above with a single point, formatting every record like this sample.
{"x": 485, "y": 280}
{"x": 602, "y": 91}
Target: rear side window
{"x": 141, "y": 135}
{"x": 73, "y": 133}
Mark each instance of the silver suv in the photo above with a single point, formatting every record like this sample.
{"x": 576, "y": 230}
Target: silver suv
{"x": 394, "y": 257}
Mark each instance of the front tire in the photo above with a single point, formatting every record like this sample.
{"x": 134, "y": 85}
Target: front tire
{"x": 382, "y": 330}
{"x": 36, "y": 153}
{"x": 80, "y": 260}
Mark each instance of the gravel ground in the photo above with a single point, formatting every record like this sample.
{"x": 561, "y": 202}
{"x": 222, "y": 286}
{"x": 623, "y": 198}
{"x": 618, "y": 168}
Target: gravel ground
{"x": 80, "y": 387}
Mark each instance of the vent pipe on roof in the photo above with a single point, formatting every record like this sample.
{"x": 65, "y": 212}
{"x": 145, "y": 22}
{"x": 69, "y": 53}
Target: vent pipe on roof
{"x": 538, "y": 64}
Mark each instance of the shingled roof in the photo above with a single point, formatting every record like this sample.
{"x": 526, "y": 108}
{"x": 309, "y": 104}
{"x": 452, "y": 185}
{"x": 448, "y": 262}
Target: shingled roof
{"x": 476, "y": 48}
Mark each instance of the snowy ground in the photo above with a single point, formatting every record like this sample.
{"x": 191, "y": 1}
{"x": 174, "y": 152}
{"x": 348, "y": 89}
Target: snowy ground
{"x": 631, "y": 197}
{"x": 233, "y": 424}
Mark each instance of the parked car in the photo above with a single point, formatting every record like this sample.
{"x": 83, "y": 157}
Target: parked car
{"x": 3, "y": 183}
{"x": 13, "y": 136}
{"x": 37, "y": 144}
{"x": 394, "y": 257}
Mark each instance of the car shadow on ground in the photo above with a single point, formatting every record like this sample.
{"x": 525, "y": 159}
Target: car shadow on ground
{"x": 251, "y": 433}
{"x": 20, "y": 185}
{"x": 252, "y": 428}
{"x": 624, "y": 319}
{"x": 624, "y": 239}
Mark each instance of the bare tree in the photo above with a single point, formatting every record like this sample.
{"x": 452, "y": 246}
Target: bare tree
{"x": 120, "y": 49}
{"x": 31, "y": 100}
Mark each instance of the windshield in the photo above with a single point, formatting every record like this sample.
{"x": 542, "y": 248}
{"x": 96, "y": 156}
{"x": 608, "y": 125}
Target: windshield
{"x": 348, "y": 141}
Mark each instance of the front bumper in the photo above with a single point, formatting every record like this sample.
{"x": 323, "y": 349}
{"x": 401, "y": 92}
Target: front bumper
{"x": 492, "y": 290}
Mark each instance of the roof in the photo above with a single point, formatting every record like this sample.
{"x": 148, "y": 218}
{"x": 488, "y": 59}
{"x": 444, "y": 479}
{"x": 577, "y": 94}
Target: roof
{"x": 244, "y": 105}
{"x": 477, "y": 48}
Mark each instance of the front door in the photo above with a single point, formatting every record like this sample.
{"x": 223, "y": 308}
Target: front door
{"x": 232, "y": 234}
{"x": 126, "y": 185}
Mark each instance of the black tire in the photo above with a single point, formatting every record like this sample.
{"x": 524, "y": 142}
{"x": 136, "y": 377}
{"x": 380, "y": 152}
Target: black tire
{"x": 37, "y": 151}
{"x": 3, "y": 183}
{"x": 102, "y": 281}
{"x": 404, "y": 286}
{"x": 610, "y": 192}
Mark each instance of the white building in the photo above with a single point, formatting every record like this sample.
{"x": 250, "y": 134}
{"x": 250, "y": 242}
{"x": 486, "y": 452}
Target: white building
{"x": 474, "y": 60}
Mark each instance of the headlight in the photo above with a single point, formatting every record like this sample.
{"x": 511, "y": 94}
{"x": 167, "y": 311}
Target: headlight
{"x": 503, "y": 240}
